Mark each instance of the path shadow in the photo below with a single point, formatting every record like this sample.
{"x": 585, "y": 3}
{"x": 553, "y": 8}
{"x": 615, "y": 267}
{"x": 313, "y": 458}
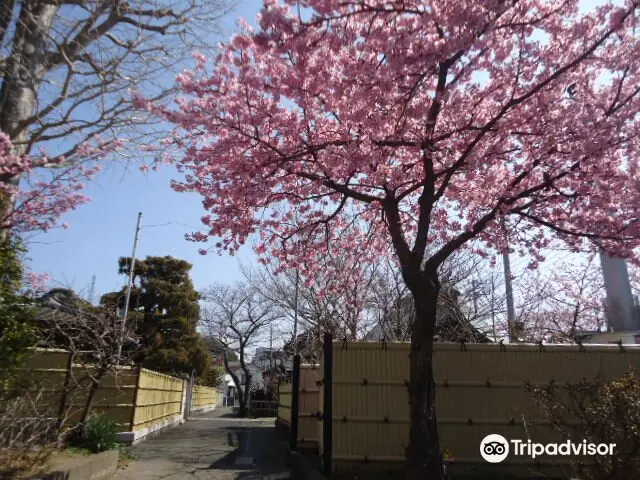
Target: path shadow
{"x": 229, "y": 415}
{"x": 264, "y": 445}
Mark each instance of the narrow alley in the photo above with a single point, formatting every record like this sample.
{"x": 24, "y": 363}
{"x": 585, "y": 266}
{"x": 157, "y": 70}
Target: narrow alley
{"x": 215, "y": 445}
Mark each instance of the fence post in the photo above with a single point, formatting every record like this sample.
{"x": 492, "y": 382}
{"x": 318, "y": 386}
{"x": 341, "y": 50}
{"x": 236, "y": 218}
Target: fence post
{"x": 65, "y": 391}
{"x": 327, "y": 406}
{"x": 191, "y": 387}
{"x": 295, "y": 402}
{"x": 135, "y": 398}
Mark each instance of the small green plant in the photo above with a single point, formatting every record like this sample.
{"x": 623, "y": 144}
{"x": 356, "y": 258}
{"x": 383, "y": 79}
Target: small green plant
{"x": 99, "y": 433}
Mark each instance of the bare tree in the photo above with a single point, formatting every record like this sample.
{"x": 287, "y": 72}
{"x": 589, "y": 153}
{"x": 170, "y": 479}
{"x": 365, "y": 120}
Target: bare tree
{"x": 91, "y": 336}
{"x": 341, "y": 308}
{"x": 235, "y": 317}
{"x": 483, "y": 301}
{"x": 28, "y": 433}
{"x": 375, "y": 304}
{"x": 68, "y": 69}
{"x": 393, "y": 310}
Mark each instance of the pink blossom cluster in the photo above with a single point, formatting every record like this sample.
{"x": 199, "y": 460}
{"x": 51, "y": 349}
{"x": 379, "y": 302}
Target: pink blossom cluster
{"x": 405, "y": 125}
{"x": 46, "y": 187}
{"x": 37, "y": 283}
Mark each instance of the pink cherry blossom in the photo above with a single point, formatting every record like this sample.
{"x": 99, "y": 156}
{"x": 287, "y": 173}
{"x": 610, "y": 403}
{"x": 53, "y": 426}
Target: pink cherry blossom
{"x": 37, "y": 283}
{"x": 347, "y": 120}
{"x": 48, "y": 187}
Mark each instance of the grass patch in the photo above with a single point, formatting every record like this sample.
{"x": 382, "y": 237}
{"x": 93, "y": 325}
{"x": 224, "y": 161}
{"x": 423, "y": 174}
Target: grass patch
{"x": 125, "y": 456}
{"x": 75, "y": 450}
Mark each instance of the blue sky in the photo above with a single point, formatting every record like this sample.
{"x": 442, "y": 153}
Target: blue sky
{"x": 103, "y": 230}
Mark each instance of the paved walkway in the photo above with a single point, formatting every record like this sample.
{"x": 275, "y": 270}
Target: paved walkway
{"x": 212, "y": 446}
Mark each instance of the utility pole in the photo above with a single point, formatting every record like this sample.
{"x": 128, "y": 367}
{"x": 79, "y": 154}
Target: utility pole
{"x": 270, "y": 347}
{"x": 295, "y": 316}
{"x": 493, "y": 307}
{"x": 511, "y": 311}
{"x": 129, "y": 285}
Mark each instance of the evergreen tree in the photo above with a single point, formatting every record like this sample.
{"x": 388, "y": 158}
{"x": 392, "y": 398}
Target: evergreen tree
{"x": 17, "y": 331}
{"x": 165, "y": 310}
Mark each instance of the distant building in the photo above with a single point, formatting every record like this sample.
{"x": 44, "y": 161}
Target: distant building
{"x": 627, "y": 338}
{"x": 231, "y": 388}
{"x": 265, "y": 359}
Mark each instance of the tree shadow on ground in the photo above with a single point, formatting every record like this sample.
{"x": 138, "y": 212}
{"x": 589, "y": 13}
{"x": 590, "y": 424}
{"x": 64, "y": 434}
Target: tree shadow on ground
{"x": 266, "y": 448}
{"x": 229, "y": 415}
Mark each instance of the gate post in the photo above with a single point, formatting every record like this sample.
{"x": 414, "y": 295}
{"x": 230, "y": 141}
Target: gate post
{"x": 327, "y": 406}
{"x": 295, "y": 402}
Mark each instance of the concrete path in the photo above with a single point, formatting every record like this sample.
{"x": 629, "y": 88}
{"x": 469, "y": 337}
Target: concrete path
{"x": 214, "y": 445}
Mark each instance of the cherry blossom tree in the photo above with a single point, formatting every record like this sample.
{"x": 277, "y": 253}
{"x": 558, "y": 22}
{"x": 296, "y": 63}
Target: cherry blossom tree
{"x": 401, "y": 125}
{"x": 567, "y": 301}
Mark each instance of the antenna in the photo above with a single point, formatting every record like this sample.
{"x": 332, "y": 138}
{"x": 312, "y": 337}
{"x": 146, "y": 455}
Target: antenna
{"x": 92, "y": 289}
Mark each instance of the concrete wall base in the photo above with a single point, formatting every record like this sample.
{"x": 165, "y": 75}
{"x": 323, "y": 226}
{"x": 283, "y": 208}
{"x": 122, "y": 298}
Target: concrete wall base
{"x": 131, "y": 438}
{"x": 203, "y": 409}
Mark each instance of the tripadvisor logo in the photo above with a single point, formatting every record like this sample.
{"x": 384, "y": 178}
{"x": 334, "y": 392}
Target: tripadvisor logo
{"x": 495, "y": 448}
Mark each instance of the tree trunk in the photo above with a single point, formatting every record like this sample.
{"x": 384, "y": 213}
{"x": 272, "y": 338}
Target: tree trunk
{"x": 21, "y": 82}
{"x": 246, "y": 394}
{"x": 93, "y": 389}
{"x": 424, "y": 458}
{"x": 242, "y": 408}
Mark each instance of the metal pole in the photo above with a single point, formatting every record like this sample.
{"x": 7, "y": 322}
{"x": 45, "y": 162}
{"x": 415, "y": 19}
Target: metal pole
{"x": 295, "y": 316}
{"x": 129, "y": 284}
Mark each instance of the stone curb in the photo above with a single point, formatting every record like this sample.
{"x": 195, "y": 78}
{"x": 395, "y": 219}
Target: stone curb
{"x": 302, "y": 470}
{"x": 101, "y": 466}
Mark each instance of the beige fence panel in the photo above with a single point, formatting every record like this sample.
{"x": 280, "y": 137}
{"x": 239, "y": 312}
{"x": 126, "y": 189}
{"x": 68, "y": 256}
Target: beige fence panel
{"x": 115, "y": 395}
{"x": 481, "y": 389}
{"x": 47, "y": 370}
{"x": 309, "y": 405}
{"x": 67, "y": 391}
{"x": 133, "y": 402}
{"x": 284, "y": 403}
{"x": 204, "y": 397}
{"x": 158, "y": 398}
